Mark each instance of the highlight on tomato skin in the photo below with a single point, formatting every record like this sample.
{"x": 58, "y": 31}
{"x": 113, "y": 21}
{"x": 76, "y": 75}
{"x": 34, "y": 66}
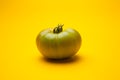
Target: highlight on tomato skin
{"x": 58, "y": 43}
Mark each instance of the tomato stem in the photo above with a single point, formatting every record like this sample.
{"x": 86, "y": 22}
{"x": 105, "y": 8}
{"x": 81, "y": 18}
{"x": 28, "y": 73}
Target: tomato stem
{"x": 58, "y": 29}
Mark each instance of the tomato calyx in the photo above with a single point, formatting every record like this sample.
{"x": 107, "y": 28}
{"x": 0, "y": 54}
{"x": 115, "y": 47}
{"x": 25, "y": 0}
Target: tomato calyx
{"x": 58, "y": 29}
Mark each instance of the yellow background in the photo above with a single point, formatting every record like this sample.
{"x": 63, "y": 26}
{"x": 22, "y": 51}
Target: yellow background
{"x": 98, "y": 22}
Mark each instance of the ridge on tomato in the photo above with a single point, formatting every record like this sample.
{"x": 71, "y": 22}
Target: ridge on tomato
{"x": 58, "y": 43}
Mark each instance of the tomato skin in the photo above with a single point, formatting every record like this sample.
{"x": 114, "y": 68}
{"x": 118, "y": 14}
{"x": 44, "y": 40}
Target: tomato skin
{"x": 58, "y": 45}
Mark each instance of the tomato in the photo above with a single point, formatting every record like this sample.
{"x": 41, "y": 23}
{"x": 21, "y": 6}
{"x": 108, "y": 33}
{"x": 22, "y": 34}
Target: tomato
{"x": 58, "y": 44}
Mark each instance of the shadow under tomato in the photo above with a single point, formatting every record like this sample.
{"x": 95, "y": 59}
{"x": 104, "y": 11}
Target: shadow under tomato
{"x": 73, "y": 59}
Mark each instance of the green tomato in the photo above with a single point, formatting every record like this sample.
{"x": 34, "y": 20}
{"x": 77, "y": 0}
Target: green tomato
{"x": 58, "y": 44}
